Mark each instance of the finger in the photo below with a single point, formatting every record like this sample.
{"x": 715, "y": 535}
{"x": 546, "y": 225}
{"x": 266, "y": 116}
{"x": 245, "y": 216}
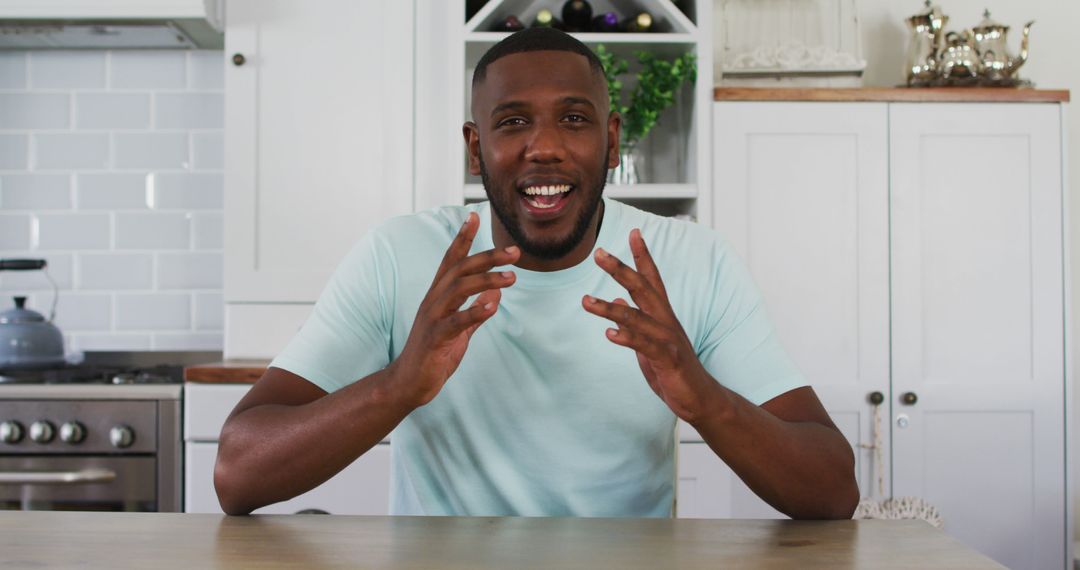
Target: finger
{"x": 489, "y": 296}
{"x": 477, "y": 263}
{"x": 459, "y": 246}
{"x": 641, "y": 291}
{"x": 461, "y": 289}
{"x": 644, "y": 263}
{"x": 622, "y": 314}
{"x": 461, "y": 321}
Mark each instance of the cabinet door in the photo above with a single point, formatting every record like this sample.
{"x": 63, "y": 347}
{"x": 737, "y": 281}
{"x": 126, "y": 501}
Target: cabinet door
{"x": 978, "y": 323}
{"x": 362, "y": 488}
{"x": 318, "y": 138}
{"x": 801, "y": 192}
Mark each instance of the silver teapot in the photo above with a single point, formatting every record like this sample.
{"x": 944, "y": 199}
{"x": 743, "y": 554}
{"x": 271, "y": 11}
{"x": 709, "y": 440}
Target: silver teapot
{"x": 959, "y": 60}
{"x": 924, "y": 48}
{"x": 989, "y": 39}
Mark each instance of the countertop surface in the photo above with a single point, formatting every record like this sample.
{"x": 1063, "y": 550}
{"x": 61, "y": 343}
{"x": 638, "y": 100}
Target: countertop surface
{"x": 894, "y": 94}
{"x": 170, "y": 540}
{"x": 229, "y": 371}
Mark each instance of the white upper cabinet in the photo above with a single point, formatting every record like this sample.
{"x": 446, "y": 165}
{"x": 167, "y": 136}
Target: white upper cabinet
{"x": 319, "y": 137}
{"x": 978, "y": 316}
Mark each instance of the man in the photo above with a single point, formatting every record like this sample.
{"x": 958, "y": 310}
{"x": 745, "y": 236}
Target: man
{"x": 523, "y": 366}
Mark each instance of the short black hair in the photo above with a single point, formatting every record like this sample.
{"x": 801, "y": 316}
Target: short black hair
{"x": 535, "y": 39}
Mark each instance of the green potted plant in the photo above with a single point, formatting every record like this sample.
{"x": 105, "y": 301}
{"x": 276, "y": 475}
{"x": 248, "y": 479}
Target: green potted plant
{"x": 658, "y": 81}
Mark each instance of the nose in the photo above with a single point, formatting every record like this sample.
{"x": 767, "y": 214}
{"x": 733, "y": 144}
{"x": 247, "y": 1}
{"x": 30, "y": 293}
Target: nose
{"x": 546, "y": 145}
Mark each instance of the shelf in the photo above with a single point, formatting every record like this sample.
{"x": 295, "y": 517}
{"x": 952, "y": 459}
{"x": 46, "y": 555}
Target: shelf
{"x": 595, "y": 38}
{"x": 635, "y": 192}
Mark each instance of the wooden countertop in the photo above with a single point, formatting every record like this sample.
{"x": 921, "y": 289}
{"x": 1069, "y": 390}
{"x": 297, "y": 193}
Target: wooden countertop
{"x": 894, "y": 94}
{"x": 171, "y": 540}
{"x": 230, "y": 371}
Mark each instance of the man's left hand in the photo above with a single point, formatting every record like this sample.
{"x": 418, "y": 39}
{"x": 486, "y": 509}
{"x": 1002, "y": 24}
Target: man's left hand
{"x": 664, "y": 352}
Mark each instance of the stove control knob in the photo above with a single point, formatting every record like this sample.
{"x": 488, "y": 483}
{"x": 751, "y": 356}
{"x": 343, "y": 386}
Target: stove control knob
{"x": 72, "y": 432}
{"x": 42, "y": 431}
{"x": 11, "y": 432}
{"x": 121, "y": 436}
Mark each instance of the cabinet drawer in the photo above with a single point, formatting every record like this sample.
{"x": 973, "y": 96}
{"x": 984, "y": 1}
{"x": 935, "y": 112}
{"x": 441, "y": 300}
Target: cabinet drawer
{"x": 362, "y": 488}
{"x": 206, "y": 406}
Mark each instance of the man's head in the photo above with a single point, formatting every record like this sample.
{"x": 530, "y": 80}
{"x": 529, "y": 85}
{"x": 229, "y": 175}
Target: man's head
{"x": 542, "y": 138}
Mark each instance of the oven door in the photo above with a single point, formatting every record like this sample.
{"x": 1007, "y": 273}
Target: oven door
{"x": 87, "y": 483}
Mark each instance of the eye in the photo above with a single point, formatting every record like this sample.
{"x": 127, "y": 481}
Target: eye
{"x": 577, "y": 118}
{"x": 510, "y": 122}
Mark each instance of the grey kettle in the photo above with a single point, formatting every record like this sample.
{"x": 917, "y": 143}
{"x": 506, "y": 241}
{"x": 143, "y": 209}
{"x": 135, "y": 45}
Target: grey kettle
{"x": 27, "y": 339}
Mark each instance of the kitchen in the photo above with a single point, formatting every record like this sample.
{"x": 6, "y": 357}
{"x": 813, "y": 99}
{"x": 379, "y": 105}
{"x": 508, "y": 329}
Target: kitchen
{"x": 197, "y": 199}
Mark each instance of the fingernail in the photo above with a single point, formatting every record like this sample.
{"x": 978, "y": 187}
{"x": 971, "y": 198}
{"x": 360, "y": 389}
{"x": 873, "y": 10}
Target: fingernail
{"x": 600, "y": 252}
{"x": 507, "y": 274}
{"x": 612, "y": 332}
{"x": 512, "y": 249}
{"x": 590, "y": 299}
{"x": 488, "y": 306}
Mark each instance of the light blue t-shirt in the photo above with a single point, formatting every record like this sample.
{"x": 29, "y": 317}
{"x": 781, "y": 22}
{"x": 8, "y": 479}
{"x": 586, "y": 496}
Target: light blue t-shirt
{"x": 545, "y": 415}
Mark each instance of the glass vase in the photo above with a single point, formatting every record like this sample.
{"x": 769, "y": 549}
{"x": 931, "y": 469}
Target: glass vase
{"x": 628, "y": 170}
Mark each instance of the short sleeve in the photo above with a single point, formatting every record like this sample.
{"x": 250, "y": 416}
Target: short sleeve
{"x": 739, "y": 346}
{"x": 347, "y": 335}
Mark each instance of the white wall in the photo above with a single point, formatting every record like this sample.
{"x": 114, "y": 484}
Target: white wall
{"x": 1053, "y": 64}
{"x": 111, "y": 168}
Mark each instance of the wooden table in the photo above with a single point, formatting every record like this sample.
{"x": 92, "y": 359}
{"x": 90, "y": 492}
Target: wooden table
{"x": 168, "y": 540}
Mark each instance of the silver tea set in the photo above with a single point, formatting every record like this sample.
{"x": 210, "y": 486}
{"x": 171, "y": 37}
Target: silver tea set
{"x": 976, "y": 56}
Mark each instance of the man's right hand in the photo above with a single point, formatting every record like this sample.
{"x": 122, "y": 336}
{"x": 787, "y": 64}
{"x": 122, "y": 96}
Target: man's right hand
{"x": 441, "y": 332}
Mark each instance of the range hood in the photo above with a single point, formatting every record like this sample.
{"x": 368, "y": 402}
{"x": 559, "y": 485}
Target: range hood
{"x": 111, "y": 24}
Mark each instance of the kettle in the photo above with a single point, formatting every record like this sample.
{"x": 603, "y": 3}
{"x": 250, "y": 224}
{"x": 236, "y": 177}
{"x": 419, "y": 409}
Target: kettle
{"x": 990, "y": 42}
{"x": 924, "y": 48}
{"x": 27, "y": 339}
{"x": 959, "y": 60}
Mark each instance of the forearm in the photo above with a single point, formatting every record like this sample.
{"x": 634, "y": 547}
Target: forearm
{"x": 803, "y": 469}
{"x": 271, "y": 453}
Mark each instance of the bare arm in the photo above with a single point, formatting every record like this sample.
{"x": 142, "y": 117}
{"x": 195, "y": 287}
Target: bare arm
{"x": 787, "y": 450}
{"x": 287, "y": 436}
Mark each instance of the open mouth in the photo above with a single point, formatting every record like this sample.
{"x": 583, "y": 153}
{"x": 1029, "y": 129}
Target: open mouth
{"x": 546, "y": 199}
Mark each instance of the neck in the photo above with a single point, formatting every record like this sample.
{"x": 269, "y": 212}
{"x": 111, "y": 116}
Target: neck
{"x": 501, "y": 238}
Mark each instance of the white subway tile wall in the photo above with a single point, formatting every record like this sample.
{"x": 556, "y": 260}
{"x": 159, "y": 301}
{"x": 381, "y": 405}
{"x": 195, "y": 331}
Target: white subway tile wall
{"x": 111, "y": 169}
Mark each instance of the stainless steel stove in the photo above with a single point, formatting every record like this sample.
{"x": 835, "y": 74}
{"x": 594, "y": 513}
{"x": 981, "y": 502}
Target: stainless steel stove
{"x": 101, "y": 435}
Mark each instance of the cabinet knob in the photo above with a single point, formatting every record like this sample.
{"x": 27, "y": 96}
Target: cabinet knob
{"x": 876, "y": 398}
{"x": 238, "y": 59}
{"x": 909, "y": 398}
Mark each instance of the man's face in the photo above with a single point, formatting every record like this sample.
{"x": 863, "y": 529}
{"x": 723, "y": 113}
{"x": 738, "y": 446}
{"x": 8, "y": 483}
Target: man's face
{"x": 542, "y": 141}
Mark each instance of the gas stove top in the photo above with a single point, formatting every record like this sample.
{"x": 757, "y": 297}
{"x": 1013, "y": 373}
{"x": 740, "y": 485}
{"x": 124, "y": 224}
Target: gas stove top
{"x": 96, "y": 374}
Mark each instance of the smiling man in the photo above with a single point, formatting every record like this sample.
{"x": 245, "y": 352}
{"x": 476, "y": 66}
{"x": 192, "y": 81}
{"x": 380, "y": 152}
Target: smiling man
{"x": 531, "y": 354}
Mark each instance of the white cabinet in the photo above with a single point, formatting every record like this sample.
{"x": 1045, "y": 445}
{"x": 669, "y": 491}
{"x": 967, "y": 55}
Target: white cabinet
{"x": 318, "y": 143}
{"x": 978, "y": 316}
{"x": 362, "y": 488}
{"x": 914, "y": 248}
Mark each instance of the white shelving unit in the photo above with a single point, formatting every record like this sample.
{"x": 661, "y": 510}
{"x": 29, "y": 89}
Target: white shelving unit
{"x": 675, "y": 155}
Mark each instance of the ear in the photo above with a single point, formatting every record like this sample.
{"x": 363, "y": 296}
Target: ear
{"x": 472, "y": 144}
{"x": 614, "y": 129}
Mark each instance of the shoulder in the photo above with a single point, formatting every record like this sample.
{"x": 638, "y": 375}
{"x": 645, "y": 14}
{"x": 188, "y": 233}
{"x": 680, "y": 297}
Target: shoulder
{"x": 673, "y": 237}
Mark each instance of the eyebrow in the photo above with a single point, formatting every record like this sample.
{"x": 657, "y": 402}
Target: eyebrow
{"x": 568, "y": 100}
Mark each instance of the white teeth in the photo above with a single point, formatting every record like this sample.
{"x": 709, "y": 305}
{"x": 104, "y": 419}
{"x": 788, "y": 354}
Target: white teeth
{"x": 547, "y": 190}
{"x": 535, "y": 204}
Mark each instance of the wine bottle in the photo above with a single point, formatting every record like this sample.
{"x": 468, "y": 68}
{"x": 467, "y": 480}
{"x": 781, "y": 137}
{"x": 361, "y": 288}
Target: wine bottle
{"x": 545, "y": 19}
{"x": 509, "y": 24}
{"x": 639, "y": 24}
{"x": 577, "y": 14}
{"x": 607, "y": 22}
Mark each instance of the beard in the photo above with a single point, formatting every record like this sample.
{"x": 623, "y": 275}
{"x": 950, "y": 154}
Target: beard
{"x": 503, "y": 205}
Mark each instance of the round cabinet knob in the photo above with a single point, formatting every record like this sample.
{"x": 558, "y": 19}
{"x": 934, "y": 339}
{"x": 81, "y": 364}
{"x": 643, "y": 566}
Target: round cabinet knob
{"x": 902, "y": 421}
{"x": 238, "y": 59}
{"x": 909, "y": 398}
{"x": 121, "y": 436}
{"x": 42, "y": 431}
{"x": 876, "y": 398}
{"x": 72, "y": 432}
{"x": 11, "y": 432}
